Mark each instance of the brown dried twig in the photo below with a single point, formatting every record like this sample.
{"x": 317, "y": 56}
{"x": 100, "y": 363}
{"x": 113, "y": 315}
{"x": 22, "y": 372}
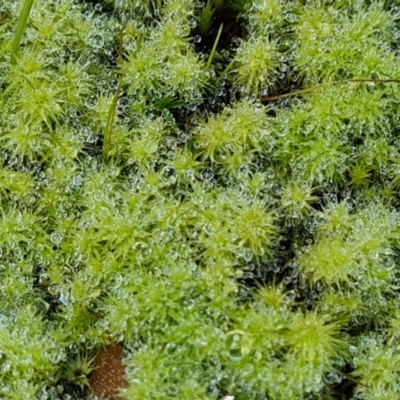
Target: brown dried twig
{"x": 301, "y": 92}
{"x": 356, "y": 381}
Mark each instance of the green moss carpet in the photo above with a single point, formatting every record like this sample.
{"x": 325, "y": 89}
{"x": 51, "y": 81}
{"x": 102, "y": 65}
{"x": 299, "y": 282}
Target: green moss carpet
{"x": 212, "y": 184}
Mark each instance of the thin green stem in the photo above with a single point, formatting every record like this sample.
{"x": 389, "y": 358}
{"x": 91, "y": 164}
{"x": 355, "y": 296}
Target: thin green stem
{"x": 22, "y": 20}
{"x": 110, "y": 120}
{"x": 325, "y": 84}
{"x": 113, "y": 107}
{"x": 212, "y": 54}
{"x": 227, "y": 69}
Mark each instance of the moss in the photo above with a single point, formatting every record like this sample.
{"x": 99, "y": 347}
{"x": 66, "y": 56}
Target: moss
{"x": 237, "y": 246}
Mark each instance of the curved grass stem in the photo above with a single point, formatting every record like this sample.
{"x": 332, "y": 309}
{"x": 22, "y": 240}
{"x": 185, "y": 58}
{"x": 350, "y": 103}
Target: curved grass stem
{"x": 302, "y": 92}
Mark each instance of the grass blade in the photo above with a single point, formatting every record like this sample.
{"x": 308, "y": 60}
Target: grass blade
{"x": 22, "y": 20}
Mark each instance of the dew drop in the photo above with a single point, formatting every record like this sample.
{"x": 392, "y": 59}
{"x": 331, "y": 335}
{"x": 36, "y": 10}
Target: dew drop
{"x": 6, "y": 366}
{"x": 360, "y": 319}
{"x": 222, "y": 319}
{"x": 171, "y": 348}
{"x": 77, "y": 181}
{"x": 235, "y": 354}
{"x": 168, "y": 175}
{"x": 3, "y": 319}
{"x": 312, "y": 294}
{"x": 74, "y": 348}
{"x": 212, "y": 390}
{"x": 41, "y": 306}
{"x": 56, "y": 238}
{"x": 44, "y": 278}
{"x": 62, "y": 300}
{"x": 53, "y": 289}
{"x": 173, "y": 390}
{"x": 290, "y": 296}
{"x": 116, "y": 281}
{"x": 193, "y": 23}
{"x": 331, "y": 378}
{"x": 92, "y": 138}
{"x": 188, "y": 303}
{"x": 207, "y": 174}
{"x": 58, "y": 356}
{"x": 74, "y": 260}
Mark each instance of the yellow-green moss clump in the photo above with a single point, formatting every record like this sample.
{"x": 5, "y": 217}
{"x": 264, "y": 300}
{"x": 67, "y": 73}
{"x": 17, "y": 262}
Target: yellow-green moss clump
{"x": 212, "y": 185}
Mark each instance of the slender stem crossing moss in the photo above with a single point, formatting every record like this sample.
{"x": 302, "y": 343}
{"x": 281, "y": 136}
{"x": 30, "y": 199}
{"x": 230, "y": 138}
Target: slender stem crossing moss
{"x": 113, "y": 107}
{"x": 326, "y": 84}
{"x": 110, "y": 120}
{"x": 227, "y": 69}
{"x": 212, "y": 54}
{"x": 22, "y": 20}
{"x": 356, "y": 381}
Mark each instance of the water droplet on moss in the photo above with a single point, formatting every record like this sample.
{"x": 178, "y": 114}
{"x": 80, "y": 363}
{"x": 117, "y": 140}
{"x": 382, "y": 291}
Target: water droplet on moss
{"x": 173, "y": 390}
{"x": 6, "y": 366}
{"x": 312, "y": 294}
{"x": 116, "y": 281}
{"x": 58, "y": 356}
{"x": 207, "y": 174}
{"x": 171, "y": 348}
{"x": 235, "y": 354}
{"x": 74, "y": 348}
{"x": 62, "y": 300}
{"x": 168, "y": 175}
{"x": 56, "y": 238}
{"x": 44, "y": 278}
{"x": 331, "y": 378}
{"x": 287, "y": 280}
{"x": 74, "y": 260}
{"x": 3, "y": 319}
{"x": 54, "y": 289}
{"x": 77, "y": 181}
{"x": 188, "y": 303}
